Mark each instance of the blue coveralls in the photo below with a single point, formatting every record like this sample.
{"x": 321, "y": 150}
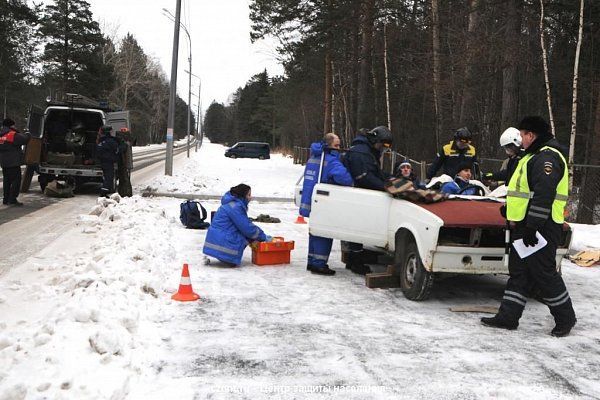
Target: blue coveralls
{"x": 333, "y": 172}
{"x": 231, "y": 230}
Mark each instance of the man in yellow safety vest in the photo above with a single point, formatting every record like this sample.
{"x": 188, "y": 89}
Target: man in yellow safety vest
{"x": 537, "y": 196}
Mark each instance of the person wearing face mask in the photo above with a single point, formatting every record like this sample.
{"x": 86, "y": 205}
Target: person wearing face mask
{"x": 230, "y": 230}
{"x": 510, "y": 140}
{"x": 325, "y": 166}
{"x": 453, "y": 154}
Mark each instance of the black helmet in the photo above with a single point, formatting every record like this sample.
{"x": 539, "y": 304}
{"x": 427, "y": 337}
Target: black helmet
{"x": 463, "y": 133}
{"x": 380, "y": 134}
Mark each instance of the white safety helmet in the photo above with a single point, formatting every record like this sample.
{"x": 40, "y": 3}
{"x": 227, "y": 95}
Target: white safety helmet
{"x": 510, "y": 136}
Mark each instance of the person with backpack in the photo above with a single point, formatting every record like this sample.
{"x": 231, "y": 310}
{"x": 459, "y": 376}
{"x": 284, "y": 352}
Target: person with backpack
{"x": 231, "y": 230}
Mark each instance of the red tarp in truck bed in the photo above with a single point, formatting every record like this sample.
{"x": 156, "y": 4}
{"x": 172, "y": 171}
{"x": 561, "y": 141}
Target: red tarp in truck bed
{"x": 467, "y": 213}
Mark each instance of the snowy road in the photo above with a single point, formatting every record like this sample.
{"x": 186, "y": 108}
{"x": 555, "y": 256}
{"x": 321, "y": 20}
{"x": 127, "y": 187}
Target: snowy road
{"x": 90, "y": 316}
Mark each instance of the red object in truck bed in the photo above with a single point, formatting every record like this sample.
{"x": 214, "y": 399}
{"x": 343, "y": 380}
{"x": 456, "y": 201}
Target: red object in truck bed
{"x": 468, "y": 213}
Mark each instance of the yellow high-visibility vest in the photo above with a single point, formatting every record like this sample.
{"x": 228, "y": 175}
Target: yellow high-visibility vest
{"x": 519, "y": 194}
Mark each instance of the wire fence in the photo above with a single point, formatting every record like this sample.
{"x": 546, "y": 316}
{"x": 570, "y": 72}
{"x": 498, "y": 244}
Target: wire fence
{"x": 584, "y": 200}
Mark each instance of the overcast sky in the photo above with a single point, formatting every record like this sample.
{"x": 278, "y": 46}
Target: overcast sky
{"x": 222, "y": 54}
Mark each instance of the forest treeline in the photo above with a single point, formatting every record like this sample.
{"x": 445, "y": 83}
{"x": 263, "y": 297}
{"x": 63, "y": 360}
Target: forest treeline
{"x": 423, "y": 67}
{"x": 59, "y": 48}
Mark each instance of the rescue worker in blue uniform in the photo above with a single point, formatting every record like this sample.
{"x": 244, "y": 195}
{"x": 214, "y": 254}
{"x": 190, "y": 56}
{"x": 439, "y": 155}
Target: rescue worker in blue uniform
{"x": 455, "y": 153}
{"x": 536, "y": 199}
{"x": 362, "y": 160}
{"x": 107, "y": 152}
{"x": 460, "y": 184}
{"x": 324, "y": 165}
{"x": 230, "y": 230}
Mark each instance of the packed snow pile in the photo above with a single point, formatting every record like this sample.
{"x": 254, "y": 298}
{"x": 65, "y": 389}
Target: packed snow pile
{"x": 93, "y": 302}
{"x": 210, "y": 172}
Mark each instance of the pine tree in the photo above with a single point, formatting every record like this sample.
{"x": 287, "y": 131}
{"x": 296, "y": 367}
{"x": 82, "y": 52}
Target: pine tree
{"x": 72, "y": 54}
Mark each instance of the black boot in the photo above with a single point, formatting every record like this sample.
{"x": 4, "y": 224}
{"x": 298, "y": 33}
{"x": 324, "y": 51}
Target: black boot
{"x": 360, "y": 268}
{"x": 561, "y": 330}
{"x": 321, "y": 270}
{"x": 498, "y": 322}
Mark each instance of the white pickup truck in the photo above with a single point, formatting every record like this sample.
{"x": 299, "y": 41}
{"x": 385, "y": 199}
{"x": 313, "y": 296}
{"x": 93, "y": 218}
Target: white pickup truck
{"x": 462, "y": 235}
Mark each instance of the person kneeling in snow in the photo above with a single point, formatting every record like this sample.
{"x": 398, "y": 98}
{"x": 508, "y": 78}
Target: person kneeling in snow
{"x": 230, "y": 229}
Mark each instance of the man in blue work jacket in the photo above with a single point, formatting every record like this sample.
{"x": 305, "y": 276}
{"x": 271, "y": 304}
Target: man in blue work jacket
{"x": 323, "y": 166}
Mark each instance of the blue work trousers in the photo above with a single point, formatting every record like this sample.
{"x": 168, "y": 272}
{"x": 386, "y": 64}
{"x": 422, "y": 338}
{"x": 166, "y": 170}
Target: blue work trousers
{"x": 318, "y": 250}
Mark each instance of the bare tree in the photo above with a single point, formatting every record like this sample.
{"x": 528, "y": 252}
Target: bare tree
{"x": 509, "y": 69}
{"x": 545, "y": 60}
{"x": 467, "y": 107}
{"x": 364, "y": 87}
{"x": 387, "y": 77}
{"x": 574, "y": 109}
{"x": 435, "y": 16}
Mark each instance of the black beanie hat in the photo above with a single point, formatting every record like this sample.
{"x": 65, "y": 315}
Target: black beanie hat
{"x": 240, "y": 190}
{"x": 8, "y": 122}
{"x": 537, "y": 125}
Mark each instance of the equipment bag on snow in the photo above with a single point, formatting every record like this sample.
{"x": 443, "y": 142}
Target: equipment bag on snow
{"x": 192, "y": 215}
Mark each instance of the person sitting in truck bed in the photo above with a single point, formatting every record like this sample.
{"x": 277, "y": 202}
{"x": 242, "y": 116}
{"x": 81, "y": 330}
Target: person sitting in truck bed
{"x": 460, "y": 184}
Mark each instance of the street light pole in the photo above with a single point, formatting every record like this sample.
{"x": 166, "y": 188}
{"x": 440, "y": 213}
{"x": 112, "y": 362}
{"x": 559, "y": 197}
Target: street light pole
{"x": 189, "y": 114}
{"x": 199, "y": 124}
{"x": 173, "y": 92}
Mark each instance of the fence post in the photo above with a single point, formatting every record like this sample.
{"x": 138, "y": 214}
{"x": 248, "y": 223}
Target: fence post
{"x": 423, "y": 170}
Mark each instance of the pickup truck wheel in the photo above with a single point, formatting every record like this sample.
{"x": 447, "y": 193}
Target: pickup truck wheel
{"x": 415, "y": 280}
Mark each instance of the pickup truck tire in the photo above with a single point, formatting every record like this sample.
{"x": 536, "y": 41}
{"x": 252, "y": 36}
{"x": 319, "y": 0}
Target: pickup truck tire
{"x": 415, "y": 280}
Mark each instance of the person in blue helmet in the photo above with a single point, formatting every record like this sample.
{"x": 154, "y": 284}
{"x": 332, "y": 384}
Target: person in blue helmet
{"x": 230, "y": 230}
{"x": 326, "y": 154}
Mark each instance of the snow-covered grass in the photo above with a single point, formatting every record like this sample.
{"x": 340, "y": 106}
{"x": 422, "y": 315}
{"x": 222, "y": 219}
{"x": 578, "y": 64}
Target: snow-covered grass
{"x": 90, "y": 315}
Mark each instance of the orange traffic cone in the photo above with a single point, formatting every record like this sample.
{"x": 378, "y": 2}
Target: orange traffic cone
{"x": 300, "y": 220}
{"x": 185, "y": 292}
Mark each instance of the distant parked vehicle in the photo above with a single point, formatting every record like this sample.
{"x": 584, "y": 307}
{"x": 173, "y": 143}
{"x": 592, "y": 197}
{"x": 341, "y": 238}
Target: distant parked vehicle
{"x": 249, "y": 150}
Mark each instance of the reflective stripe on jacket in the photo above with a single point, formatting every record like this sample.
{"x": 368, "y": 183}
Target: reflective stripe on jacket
{"x": 231, "y": 230}
{"x": 333, "y": 172}
{"x": 520, "y": 198}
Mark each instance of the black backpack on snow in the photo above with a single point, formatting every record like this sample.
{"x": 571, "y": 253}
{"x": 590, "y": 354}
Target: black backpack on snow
{"x": 192, "y": 215}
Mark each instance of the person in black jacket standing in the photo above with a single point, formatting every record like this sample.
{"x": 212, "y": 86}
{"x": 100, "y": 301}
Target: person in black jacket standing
{"x": 362, "y": 161}
{"x": 537, "y": 195}
{"x": 455, "y": 153}
{"x": 11, "y": 157}
{"x": 107, "y": 150}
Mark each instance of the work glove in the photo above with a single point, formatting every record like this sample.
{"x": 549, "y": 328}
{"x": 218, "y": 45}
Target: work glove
{"x": 529, "y": 238}
{"x": 269, "y": 238}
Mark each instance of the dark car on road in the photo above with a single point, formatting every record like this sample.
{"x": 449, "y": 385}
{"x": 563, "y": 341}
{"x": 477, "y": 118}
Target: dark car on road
{"x": 249, "y": 150}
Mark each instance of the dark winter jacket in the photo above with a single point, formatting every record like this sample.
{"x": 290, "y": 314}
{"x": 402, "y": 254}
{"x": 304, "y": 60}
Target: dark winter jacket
{"x": 333, "y": 172}
{"x": 107, "y": 149}
{"x": 544, "y": 171}
{"x": 450, "y": 158}
{"x": 504, "y": 174}
{"x": 11, "y": 142}
{"x": 457, "y": 185}
{"x": 362, "y": 160}
{"x": 231, "y": 230}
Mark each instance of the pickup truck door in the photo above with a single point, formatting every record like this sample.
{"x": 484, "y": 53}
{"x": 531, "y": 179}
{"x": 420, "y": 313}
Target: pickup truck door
{"x": 352, "y": 214}
{"x": 119, "y": 120}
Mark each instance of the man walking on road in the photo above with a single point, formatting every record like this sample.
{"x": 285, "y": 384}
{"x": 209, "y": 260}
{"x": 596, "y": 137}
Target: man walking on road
{"x": 536, "y": 200}
{"x": 11, "y": 157}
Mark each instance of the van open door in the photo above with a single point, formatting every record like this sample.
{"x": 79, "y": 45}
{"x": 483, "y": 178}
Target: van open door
{"x": 33, "y": 149}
